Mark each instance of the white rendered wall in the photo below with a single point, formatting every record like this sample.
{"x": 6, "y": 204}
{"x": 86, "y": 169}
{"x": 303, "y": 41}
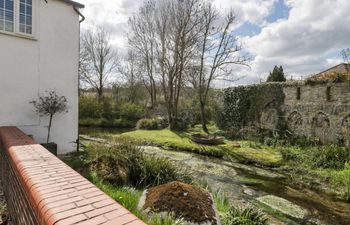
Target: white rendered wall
{"x": 29, "y": 67}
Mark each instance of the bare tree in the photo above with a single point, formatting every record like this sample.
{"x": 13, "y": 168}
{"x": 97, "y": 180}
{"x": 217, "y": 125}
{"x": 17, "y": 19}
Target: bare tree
{"x": 177, "y": 34}
{"x": 345, "y": 53}
{"x": 98, "y": 59}
{"x": 131, "y": 73}
{"x": 219, "y": 48}
{"x": 142, "y": 42}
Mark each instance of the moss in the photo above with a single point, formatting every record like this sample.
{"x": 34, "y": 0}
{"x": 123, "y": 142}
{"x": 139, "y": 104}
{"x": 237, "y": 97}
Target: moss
{"x": 176, "y": 141}
{"x": 284, "y": 206}
{"x": 261, "y": 155}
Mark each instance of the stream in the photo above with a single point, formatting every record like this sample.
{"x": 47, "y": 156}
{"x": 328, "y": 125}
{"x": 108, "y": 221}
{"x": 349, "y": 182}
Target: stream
{"x": 243, "y": 184}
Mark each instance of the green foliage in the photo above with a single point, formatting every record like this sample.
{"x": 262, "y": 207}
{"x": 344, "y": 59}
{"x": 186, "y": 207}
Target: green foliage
{"x": 262, "y": 155}
{"x": 330, "y": 156}
{"x": 131, "y": 112}
{"x": 244, "y": 104}
{"x": 89, "y": 107}
{"x": 129, "y": 197}
{"x": 323, "y": 157}
{"x": 175, "y": 141}
{"x": 256, "y": 153}
{"x": 342, "y": 179}
{"x": 277, "y": 75}
{"x": 107, "y": 113}
{"x": 152, "y": 124}
{"x": 245, "y": 216}
{"x": 122, "y": 163}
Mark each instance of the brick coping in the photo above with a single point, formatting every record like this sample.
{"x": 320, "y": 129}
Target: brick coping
{"x": 58, "y": 195}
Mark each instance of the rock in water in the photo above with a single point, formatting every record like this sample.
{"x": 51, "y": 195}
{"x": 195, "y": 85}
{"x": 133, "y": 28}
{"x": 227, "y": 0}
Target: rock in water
{"x": 186, "y": 201}
{"x": 284, "y": 206}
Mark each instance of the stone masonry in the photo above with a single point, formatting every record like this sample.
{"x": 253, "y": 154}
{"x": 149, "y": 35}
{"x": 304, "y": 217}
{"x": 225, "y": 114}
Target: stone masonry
{"x": 320, "y": 110}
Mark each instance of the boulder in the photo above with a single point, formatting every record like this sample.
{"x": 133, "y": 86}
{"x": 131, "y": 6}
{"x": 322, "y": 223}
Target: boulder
{"x": 283, "y": 206}
{"x": 183, "y": 200}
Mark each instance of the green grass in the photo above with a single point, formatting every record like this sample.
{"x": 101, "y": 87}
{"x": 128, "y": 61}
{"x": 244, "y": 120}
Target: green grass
{"x": 176, "y": 141}
{"x": 129, "y": 198}
{"x": 326, "y": 166}
{"x": 126, "y": 196}
{"x": 259, "y": 154}
{"x": 252, "y": 152}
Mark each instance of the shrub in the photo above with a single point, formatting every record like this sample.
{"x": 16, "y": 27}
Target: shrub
{"x": 152, "y": 124}
{"x": 89, "y": 107}
{"x": 244, "y": 216}
{"x": 342, "y": 179}
{"x": 131, "y": 112}
{"x": 289, "y": 153}
{"x": 329, "y": 156}
{"x": 108, "y": 111}
{"x": 122, "y": 163}
{"x": 244, "y": 104}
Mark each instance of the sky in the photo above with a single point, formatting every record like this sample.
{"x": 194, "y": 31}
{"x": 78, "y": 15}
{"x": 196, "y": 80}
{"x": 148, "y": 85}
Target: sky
{"x": 304, "y": 36}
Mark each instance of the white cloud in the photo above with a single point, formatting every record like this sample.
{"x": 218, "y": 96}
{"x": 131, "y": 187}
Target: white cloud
{"x": 112, "y": 15}
{"x": 302, "y": 42}
{"x": 253, "y": 11}
{"x": 306, "y": 42}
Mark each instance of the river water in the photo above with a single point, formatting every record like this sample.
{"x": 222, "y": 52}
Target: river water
{"x": 244, "y": 184}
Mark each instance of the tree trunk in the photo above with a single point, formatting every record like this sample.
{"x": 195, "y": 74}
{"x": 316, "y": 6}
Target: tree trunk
{"x": 99, "y": 94}
{"x": 203, "y": 117}
{"x": 49, "y": 129}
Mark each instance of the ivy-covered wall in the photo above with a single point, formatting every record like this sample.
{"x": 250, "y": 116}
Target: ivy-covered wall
{"x": 319, "y": 110}
{"x": 246, "y": 105}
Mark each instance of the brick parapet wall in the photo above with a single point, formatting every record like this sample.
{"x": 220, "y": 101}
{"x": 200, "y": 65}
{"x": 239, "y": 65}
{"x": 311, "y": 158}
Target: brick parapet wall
{"x": 41, "y": 189}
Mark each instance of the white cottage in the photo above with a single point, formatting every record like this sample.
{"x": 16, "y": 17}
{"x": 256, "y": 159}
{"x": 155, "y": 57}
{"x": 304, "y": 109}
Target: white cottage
{"x": 39, "y": 51}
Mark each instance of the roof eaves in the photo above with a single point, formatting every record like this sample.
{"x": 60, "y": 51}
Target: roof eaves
{"x": 75, "y": 4}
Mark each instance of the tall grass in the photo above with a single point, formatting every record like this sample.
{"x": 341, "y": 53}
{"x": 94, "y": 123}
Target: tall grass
{"x": 245, "y": 216}
{"x": 123, "y": 157}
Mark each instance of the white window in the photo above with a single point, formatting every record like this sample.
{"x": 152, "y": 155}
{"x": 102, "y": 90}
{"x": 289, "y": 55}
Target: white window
{"x": 7, "y": 15}
{"x": 16, "y": 16}
{"x": 25, "y": 16}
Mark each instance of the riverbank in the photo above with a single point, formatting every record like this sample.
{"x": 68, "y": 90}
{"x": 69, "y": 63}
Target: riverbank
{"x": 243, "y": 184}
{"x": 292, "y": 166}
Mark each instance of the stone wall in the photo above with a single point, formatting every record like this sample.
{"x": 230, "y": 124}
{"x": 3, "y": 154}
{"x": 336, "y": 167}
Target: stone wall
{"x": 321, "y": 111}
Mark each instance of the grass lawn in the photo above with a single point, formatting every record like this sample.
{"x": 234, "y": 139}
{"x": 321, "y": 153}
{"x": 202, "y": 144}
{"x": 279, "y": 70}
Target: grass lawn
{"x": 248, "y": 152}
{"x": 176, "y": 141}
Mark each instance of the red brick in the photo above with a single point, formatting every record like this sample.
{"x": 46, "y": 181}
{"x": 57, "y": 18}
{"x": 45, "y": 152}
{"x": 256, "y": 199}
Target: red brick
{"x": 66, "y": 214}
{"x": 58, "y": 194}
{"x": 125, "y": 219}
{"x": 72, "y": 220}
{"x": 116, "y": 213}
{"x": 93, "y": 221}
{"x": 103, "y": 210}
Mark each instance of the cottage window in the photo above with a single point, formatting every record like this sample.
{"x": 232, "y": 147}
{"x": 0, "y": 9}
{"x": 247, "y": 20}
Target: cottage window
{"x": 25, "y": 16}
{"x": 298, "y": 93}
{"x": 16, "y": 17}
{"x": 329, "y": 94}
{"x": 7, "y": 15}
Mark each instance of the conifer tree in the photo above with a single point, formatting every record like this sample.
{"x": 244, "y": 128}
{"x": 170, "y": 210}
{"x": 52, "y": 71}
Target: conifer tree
{"x": 277, "y": 75}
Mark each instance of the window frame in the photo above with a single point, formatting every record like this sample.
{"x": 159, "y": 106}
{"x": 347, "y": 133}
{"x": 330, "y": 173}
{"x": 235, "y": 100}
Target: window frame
{"x": 16, "y": 27}
{"x": 298, "y": 93}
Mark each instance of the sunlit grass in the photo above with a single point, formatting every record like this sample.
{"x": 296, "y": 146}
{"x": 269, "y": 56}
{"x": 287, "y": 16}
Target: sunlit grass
{"x": 248, "y": 152}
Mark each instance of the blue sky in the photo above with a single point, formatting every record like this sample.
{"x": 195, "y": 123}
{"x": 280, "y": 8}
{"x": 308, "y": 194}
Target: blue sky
{"x": 304, "y": 36}
{"x": 279, "y": 11}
